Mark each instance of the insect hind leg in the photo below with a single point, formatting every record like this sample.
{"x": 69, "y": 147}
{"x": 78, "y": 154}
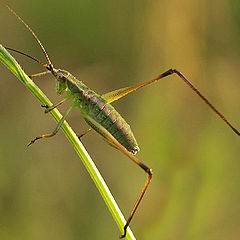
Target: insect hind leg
{"x": 148, "y": 170}
{"x": 117, "y": 94}
{"x": 84, "y": 133}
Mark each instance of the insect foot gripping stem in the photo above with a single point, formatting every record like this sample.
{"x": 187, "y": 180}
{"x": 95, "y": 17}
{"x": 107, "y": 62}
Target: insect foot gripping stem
{"x": 47, "y": 107}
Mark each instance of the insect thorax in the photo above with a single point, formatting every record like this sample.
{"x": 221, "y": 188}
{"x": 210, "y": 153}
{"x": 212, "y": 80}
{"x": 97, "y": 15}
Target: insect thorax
{"x": 66, "y": 81}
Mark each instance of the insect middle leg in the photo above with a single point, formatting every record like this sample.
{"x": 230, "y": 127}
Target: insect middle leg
{"x": 56, "y": 129}
{"x": 50, "y": 108}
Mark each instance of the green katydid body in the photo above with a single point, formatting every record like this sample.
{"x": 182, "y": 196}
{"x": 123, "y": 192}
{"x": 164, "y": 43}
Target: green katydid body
{"x": 101, "y": 115}
{"x": 96, "y": 111}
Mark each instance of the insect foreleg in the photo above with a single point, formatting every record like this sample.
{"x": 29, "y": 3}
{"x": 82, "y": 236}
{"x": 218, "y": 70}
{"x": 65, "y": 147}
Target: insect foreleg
{"x": 50, "y": 108}
{"x": 56, "y": 129}
{"x": 39, "y": 74}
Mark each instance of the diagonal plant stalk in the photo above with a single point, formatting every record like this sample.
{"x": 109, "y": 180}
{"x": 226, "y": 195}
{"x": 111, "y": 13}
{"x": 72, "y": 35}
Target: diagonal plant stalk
{"x": 12, "y": 64}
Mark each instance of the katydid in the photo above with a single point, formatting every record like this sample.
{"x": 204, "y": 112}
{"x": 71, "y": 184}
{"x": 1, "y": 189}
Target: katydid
{"x": 100, "y": 114}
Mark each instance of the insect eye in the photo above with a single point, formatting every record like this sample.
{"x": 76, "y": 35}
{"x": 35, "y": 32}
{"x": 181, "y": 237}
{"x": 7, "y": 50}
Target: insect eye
{"x": 60, "y": 76}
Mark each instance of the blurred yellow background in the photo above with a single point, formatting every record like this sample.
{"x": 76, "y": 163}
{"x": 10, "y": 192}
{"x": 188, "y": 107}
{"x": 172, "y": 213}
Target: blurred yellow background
{"x": 46, "y": 193}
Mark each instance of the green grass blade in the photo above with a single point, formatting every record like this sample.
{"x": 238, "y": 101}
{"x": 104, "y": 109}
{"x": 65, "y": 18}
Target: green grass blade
{"x": 11, "y": 63}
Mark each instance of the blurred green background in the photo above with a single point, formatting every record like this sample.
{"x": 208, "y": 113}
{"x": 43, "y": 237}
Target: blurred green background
{"x": 46, "y": 193}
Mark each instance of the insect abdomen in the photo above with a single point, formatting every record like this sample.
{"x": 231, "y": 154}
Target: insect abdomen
{"x": 98, "y": 110}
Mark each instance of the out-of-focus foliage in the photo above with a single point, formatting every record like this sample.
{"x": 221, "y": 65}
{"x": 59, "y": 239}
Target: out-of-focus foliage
{"x": 45, "y": 192}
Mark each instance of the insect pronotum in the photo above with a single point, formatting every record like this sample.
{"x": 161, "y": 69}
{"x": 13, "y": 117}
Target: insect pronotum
{"x": 100, "y": 114}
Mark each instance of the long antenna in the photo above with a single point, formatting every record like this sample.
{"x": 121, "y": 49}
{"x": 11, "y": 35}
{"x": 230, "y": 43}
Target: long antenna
{"x": 50, "y": 66}
{"x": 25, "y": 54}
